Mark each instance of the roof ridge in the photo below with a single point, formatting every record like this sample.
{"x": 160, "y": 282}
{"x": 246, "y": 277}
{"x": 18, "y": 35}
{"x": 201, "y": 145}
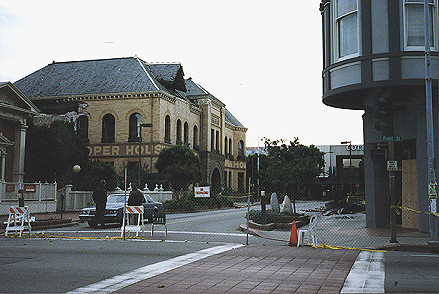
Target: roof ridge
{"x": 147, "y": 73}
{"x": 88, "y": 60}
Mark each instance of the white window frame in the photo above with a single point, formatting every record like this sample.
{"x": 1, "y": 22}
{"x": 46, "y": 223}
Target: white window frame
{"x": 433, "y": 47}
{"x": 335, "y": 32}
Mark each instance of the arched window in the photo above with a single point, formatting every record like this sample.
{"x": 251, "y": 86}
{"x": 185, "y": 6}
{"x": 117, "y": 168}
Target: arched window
{"x": 226, "y": 142}
{"x": 196, "y": 138}
{"x": 82, "y": 127}
{"x": 135, "y": 121}
{"x": 108, "y": 128}
{"x": 178, "y": 131}
{"x": 186, "y": 133}
{"x": 230, "y": 146}
{"x": 241, "y": 150}
{"x": 167, "y": 129}
{"x": 212, "y": 139}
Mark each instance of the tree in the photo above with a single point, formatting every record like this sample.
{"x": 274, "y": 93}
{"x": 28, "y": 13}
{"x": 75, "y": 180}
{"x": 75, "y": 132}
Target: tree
{"x": 181, "y": 165}
{"x": 252, "y": 170}
{"x": 51, "y": 151}
{"x": 94, "y": 172}
{"x": 291, "y": 168}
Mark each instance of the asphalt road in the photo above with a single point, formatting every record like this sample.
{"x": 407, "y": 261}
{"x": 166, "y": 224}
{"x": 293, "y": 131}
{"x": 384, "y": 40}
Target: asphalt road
{"x": 411, "y": 272}
{"x": 215, "y": 226}
{"x": 53, "y": 266}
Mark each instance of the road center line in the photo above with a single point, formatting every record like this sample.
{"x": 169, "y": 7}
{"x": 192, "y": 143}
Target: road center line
{"x": 119, "y": 282}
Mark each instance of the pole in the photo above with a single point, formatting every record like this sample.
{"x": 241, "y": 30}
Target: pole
{"x": 263, "y": 209}
{"x": 392, "y": 177}
{"x": 124, "y": 204}
{"x": 432, "y": 194}
{"x": 140, "y": 153}
{"x": 350, "y": 167}
{"x": 248, "y": 210}
{"x": 150, "y": 147}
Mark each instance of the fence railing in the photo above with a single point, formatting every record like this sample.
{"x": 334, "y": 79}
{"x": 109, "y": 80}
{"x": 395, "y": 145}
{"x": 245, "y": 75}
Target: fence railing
{"x": 31, "y": 191}
{"x": 69, "y": 200}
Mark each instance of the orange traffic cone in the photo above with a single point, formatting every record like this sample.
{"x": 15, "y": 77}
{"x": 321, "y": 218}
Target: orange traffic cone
{"x": 293, "y": 238}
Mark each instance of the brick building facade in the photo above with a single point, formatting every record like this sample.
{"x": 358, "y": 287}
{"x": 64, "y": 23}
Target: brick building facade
{"x": 111, "y": 97}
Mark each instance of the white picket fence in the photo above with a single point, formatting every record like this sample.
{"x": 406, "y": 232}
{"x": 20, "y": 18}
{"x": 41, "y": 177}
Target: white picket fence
{"x": 45, "y": 198}
{"x": 40, "y": 197}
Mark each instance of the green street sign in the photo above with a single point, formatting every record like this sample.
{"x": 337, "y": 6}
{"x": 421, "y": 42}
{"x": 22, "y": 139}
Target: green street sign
{"x": 432, "y": 194}
{"x": 391, "y": 138}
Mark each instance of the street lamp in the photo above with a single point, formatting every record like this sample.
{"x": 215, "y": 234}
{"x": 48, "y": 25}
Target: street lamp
{"x": 350, "y": 162}
{"x": 140, "y": 125}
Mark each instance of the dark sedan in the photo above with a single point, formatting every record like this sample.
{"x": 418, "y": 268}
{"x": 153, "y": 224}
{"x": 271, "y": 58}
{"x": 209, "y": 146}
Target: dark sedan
{"x": 114, "y": 210}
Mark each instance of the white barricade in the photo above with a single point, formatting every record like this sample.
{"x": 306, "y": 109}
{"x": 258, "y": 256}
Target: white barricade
{"x": 19, "y": 220}
{"x": 133, "y": 220}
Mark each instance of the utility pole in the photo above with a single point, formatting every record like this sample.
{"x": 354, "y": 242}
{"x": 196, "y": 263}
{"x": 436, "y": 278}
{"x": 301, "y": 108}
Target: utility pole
{"x": 392, "y": 176}
{"x": 432, "y": 193}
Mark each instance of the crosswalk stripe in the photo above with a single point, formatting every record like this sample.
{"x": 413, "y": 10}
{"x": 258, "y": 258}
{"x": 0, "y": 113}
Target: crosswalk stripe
{"x": 119, "y": 282}
{"x": 367, "y": 274}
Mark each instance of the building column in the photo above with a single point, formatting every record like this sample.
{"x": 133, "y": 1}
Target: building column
{"x": 377, "y": 187}
{"x": 3, "y": 162}
{"x": 19, "y": 153}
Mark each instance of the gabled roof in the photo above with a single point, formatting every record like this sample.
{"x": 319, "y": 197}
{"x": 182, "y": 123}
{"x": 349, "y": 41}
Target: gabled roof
{"x": 196, "y": 91}
{"x": 101, "y": 76}
{"x": 231, "y": 119}
{"x": 116, "y": 75}
{"x": 13, "y": 99}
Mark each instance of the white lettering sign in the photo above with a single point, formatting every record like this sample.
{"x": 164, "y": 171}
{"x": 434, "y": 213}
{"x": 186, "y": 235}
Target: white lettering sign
{"x": 355, "y": 147}
{"x": 202, "y": 191}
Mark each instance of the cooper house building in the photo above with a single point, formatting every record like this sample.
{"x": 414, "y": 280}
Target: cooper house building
{"x": 373, "y": 60}
{"x": 108, "y": 99}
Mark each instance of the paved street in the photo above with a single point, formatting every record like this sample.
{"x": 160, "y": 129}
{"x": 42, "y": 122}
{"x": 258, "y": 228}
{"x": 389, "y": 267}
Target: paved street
{"x": 60, "y": 265}
{"x": 411, "y": 272}
{"x": 204, "y": 253}
{"x": 217, "y": 226}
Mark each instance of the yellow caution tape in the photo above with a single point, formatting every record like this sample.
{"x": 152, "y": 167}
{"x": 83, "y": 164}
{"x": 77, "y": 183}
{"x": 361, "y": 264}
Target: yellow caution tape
{"x": 413, "y": 210}
{"x": 348, "y": 248}
{"x": 73, "y": 238}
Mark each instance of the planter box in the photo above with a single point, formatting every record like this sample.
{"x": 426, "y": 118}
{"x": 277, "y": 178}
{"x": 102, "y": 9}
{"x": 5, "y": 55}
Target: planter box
{"x": 300, "y": 221}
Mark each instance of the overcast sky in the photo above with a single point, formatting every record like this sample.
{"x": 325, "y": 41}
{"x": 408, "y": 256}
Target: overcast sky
{"x": 263, "y": 59}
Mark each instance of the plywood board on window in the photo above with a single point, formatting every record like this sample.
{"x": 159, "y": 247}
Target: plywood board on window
{"x": 409, "y": 194}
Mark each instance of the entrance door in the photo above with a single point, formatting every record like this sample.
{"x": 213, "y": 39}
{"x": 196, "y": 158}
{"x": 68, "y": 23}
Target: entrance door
{"x": 216, "y": 182}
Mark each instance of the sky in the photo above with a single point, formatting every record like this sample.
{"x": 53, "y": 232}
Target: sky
{"x": 263, "y": 59}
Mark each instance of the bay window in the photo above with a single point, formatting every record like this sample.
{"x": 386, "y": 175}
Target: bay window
{"x": 414, "y": 24}
{"x": 346, "y": 28}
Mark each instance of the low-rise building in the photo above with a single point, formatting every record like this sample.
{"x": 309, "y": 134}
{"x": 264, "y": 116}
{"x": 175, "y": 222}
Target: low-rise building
{"x": 113, "y": 97}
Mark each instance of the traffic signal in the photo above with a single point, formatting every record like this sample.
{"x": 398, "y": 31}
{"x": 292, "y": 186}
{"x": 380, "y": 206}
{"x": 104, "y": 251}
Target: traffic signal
{"x": 384, "y": 115}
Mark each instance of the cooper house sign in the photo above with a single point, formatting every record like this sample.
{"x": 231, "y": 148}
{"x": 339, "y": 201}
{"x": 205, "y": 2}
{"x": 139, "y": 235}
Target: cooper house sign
{"x": 123, "y": 149}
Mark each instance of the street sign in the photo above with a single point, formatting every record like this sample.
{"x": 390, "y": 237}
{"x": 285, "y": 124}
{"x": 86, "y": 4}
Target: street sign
{"x": 432, "y": 194}
{"x": 392, "y": 165}
{"x": 391, "y": 138}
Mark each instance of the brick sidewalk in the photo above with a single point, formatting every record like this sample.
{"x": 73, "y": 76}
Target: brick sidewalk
{"x": 256, "y": 269}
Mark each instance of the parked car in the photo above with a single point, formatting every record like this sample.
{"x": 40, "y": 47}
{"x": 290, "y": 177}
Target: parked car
{"x": 114, "y": 210}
